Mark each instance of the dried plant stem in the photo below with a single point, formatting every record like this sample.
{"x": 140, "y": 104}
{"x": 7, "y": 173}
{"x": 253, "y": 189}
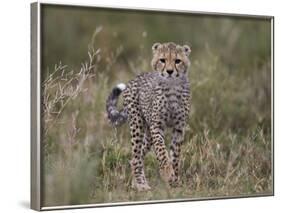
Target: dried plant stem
{"x": 62, "y": 86}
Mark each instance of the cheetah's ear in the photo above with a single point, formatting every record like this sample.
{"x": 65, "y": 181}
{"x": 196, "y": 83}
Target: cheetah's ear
{"x": 155, "y": 46}
{"x": 187, "y": 49}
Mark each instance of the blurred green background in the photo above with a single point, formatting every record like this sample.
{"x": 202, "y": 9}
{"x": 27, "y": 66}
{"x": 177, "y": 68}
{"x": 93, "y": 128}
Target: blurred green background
{"x": 228, "y": 144}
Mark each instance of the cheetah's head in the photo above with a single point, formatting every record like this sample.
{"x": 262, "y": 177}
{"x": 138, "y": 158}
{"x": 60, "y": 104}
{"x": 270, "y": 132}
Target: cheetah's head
{"x": 170, "y": 60}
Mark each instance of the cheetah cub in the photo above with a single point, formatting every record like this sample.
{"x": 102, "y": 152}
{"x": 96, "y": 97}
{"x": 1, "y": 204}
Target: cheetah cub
{"x": 154, "y": 101}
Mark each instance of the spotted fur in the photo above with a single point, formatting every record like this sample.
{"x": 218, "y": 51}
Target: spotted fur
{"x": 153, "y": 102}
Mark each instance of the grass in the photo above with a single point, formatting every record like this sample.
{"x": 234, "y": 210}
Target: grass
{"x": 227, "y": 148}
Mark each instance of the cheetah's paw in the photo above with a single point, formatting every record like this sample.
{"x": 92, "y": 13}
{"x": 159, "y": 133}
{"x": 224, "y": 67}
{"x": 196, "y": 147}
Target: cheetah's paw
{"x": 140, "y": 186}
{"x": 167, "y": 173}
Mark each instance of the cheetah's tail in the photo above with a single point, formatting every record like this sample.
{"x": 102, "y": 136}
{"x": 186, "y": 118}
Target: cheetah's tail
{"x": 115, "y": 116}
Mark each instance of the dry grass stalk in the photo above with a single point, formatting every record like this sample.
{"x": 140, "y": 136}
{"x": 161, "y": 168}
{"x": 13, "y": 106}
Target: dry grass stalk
{"x": 62, "y": 86}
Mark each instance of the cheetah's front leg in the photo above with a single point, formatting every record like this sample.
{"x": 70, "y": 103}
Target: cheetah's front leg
{"x": 166, "y": 168}
{"x": 147, "y": 142}
{"x": 175, "y": 148}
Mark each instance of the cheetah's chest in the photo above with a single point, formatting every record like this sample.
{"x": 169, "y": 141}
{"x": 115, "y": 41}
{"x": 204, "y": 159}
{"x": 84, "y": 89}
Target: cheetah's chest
{"x": 173, "y": 106}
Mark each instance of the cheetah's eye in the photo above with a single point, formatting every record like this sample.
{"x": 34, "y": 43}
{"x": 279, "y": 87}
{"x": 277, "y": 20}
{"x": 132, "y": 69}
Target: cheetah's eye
{"x": 163, "y": 60}
{"x": 177, "y": 61}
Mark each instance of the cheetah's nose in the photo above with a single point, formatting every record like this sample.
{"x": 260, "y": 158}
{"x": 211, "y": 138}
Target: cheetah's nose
{"x": 170, "y": 72}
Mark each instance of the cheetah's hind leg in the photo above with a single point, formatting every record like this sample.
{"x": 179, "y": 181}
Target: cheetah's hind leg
{"x": 137, "y": 164}
{"x": 143, "y": 186}
{"x": 139, "y": 181}
{"x": 145, "y": 148}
